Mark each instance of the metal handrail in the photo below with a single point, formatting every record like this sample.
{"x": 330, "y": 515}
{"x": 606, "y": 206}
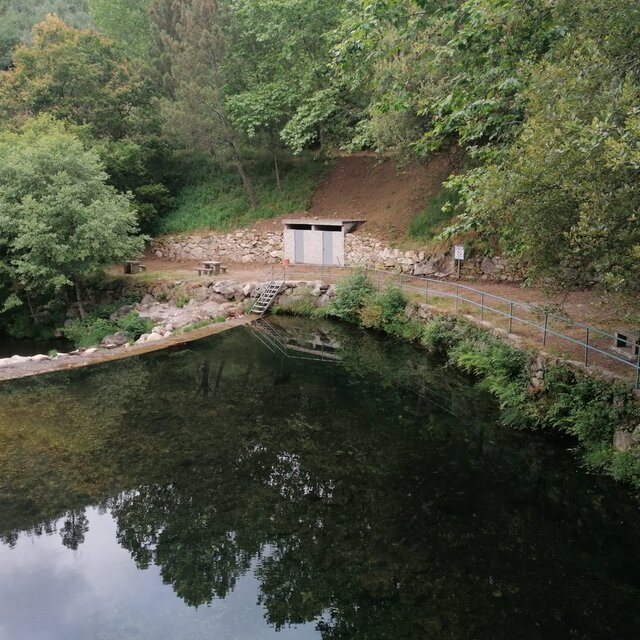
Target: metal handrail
{"x": 590, "y": 331}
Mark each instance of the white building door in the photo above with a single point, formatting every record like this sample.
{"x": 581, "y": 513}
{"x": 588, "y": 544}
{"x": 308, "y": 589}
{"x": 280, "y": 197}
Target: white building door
{"x": 327, "y": 247}
{"x": 298, "y": 246}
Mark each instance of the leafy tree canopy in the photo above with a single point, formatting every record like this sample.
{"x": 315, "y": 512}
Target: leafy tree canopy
{"x": 75, "y": 75}
{"x": 18, "y": 17}
{"x": 59, "y": 219}
{"x": 126, "y": 21}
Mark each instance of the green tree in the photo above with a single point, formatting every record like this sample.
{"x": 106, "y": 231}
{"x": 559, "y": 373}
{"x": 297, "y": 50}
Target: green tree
{"x": 280, "y": 81}
{"x": 84, "y": 78}
{"x": 193, "y": 39}
{"x": 76, "y": 75}
{"x": 59, "y": 219}
{"x": 126, "y": 21}
{"x": 565, "y": 196}
{"x": 18, "y": 17}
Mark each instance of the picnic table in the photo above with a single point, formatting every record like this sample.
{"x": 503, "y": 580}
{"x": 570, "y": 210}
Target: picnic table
{"x": 134, "y": 266}
{"x": 211, "y": 268}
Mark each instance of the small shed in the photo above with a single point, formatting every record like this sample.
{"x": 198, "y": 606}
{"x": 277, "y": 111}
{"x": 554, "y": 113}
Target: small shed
{"x": 311, "y": 241}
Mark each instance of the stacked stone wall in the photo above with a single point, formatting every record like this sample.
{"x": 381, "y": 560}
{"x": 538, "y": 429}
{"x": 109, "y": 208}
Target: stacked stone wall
{"x": 360, "y": 249}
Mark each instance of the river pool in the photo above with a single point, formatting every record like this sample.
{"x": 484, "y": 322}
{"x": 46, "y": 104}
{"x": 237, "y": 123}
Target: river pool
{"x": 301, "y": 480}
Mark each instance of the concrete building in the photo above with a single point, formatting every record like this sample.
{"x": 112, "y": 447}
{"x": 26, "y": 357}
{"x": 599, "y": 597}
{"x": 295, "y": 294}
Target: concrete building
{"x": 309, "y": 241}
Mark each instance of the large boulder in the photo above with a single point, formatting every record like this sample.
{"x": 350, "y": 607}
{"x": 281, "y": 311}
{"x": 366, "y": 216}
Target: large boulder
{"x": 115, "y": 340}
{"x": 122, "y": 311}
{"x": 491, "y": 266}
{"x": 625, "y": 440}
{"x": 436, "y": 265}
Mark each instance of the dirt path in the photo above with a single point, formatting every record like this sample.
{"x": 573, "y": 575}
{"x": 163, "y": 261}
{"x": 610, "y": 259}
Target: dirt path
{"x": 606, "y": 312}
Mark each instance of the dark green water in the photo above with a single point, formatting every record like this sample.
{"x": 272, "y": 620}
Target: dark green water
{"x": 14, "y": 347}
{"x": 227, "y": 491}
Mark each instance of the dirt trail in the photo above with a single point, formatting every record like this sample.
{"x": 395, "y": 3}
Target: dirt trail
{"x": 588, "y": 306}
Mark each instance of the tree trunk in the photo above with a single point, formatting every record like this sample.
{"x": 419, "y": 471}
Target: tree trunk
{"x": 83, "y": 314}
{"x": 247, "y": 183}
{"x": 34, "y": 317}
{"x": 275, "y": 164}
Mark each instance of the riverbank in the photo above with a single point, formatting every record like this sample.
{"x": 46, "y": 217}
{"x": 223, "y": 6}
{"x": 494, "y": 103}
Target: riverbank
{"x": 534, "y": 390}
{"x": 37, "y": 365}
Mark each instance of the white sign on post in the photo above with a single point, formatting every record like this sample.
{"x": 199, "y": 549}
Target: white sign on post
{"x": 459, "y": 252}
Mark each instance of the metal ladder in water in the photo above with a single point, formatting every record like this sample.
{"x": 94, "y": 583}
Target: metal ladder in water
{"x": 266, "y": 294}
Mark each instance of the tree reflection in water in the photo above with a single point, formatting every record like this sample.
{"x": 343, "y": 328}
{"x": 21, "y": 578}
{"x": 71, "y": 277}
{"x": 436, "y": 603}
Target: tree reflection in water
{"x": 377, "y": 494}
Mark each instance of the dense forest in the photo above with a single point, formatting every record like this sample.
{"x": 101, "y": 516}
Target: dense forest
{"x": 115, "y": 112}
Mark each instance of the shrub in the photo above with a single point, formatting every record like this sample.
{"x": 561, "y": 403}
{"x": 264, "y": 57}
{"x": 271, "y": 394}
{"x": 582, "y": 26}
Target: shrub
{"x": 439, "y": 335}
{"x": 385, "y": 311}
{"x": 351, "y": 296}
{"x": 92, "y": 330}
{"x": 89, "y": 332}
{"x": 134, "y": 326}
{"x": 625, "y": 466}
{"x": 504, "y": 370}
{"x": 584, "y": 407}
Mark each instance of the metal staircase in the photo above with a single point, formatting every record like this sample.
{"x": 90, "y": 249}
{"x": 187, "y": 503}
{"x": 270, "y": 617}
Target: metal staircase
{"x": 266, "y": 294}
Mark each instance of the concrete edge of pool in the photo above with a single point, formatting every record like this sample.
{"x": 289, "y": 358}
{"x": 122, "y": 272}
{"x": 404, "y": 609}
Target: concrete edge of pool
{"x": 34, "y": 368}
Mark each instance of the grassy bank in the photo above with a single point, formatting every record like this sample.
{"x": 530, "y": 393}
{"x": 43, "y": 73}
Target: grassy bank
{"x": 215, "y": 198}
{"x": 552, "y": 396}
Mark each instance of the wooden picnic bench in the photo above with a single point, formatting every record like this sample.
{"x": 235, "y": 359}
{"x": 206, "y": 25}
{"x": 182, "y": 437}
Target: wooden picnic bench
{"x": 134, "y": 266}
{"x": 211, "y": 268}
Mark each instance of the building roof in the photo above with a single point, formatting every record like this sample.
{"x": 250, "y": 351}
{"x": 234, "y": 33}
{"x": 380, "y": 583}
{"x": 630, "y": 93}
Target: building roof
{"x": 327, "y": 221}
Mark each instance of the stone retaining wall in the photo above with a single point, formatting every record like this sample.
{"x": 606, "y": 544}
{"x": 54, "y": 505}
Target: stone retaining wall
{"x": 267, "y": 247}
{"x": 365, "y": 249}
{"x": 240, "y": 246}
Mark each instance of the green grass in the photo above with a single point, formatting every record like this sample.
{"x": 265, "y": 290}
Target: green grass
{"x": 200, "y": 325}
{"x": 218, "y": 201}
{"x": 432, "y": 219}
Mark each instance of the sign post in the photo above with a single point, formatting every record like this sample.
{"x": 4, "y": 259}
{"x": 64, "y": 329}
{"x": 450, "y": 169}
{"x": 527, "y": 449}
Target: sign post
{"x": 458, "y": 254}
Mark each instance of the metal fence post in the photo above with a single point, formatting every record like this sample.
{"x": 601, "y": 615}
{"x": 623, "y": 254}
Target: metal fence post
{"x": 638, "y": 371}
{"x": 482, "y": 306}
{"x": 511, "y": 317}
{"x": 586, "y": 350}
{"x": 546, "y": 326}
{"x": 457, "y": 297}
{"x": 426, "y": 289}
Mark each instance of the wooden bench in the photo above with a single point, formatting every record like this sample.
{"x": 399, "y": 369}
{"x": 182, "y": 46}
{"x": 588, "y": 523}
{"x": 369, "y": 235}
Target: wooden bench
{"x": 134, "y": 266}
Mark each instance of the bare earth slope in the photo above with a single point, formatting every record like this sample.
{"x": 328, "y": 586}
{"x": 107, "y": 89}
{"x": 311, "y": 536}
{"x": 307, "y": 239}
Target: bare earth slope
{"x": 363, "y": 186}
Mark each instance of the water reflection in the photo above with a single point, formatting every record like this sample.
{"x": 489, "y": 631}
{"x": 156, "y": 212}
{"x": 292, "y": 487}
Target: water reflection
{"x": 370, "y": 497}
